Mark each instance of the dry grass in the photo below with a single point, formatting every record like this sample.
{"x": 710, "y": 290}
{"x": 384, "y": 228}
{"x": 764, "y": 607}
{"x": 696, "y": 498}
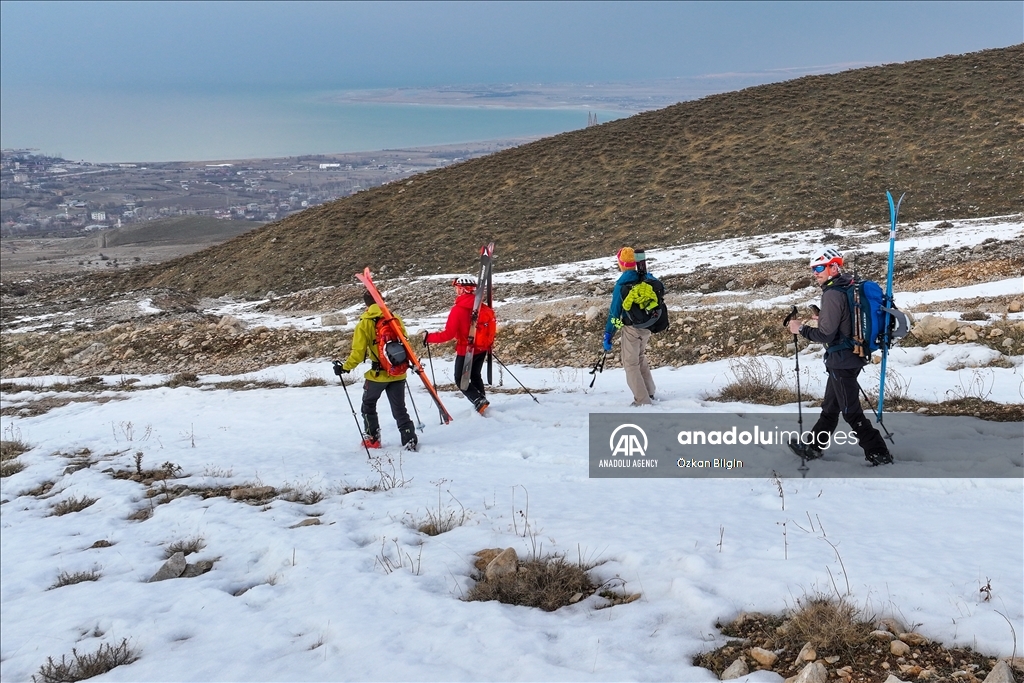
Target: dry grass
{"x": 187, "y": 546}
{"x": 72, "y": 504}
{"x": 70, "y": 578}
{"x": 82, "y": 666}
{"x": 828, "y": 623}
{"x": 183, "y": 379}
{"x": 548, "y": 583}
{"x": 10, "y": 466}
{"x": 10, "y": 449}
{"x": 757, "y": 380}
{"x": 9, "y": 452}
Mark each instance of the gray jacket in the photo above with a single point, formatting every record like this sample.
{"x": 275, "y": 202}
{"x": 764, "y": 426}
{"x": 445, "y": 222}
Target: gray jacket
{"x": 835, "y": 323}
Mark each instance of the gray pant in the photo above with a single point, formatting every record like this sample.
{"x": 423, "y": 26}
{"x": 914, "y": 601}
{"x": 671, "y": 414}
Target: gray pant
{"x": 396, "y": 397}
{"x": 634, "y": 361}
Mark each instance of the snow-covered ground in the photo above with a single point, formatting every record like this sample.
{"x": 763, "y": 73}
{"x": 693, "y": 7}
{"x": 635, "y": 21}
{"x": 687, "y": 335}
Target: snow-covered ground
{"x": 322, "y": 605}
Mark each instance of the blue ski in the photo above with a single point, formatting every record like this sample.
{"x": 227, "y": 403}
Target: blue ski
{"x": 894, "y": 212}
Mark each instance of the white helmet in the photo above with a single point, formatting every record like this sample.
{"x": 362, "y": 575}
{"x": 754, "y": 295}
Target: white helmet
{"x": 464, "y": 281}
{"x": 826, "y": 256}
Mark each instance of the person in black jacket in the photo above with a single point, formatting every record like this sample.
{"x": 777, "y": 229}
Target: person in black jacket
{"x": 834, "y": 331}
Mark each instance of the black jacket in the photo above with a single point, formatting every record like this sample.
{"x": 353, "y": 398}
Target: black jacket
{"x": 835, "y": 323}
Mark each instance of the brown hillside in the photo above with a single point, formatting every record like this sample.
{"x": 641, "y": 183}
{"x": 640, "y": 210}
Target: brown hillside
{"x": 947, "y": 131}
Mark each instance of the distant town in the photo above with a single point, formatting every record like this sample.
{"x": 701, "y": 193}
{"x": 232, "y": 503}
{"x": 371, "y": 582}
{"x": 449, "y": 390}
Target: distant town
{"x": 45, "y": 196}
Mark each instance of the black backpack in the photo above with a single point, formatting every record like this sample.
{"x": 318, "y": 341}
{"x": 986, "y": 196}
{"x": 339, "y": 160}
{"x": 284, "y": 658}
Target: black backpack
{"x": 645, "y": 314}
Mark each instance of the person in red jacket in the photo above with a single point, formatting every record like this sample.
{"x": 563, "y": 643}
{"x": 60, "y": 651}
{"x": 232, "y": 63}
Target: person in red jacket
{"x": 457, "y": 328}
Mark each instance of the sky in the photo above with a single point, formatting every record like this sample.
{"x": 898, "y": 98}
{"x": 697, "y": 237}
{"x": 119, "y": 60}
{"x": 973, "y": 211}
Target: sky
{"x": 362, "y": 595}
{"x": 146, "y": 45}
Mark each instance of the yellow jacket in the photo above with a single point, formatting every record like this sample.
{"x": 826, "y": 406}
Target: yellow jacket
{"x": 364, "y": 346}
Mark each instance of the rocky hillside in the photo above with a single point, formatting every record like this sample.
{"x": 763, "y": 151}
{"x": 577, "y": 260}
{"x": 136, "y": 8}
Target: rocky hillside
{"x": 948, "y": 131}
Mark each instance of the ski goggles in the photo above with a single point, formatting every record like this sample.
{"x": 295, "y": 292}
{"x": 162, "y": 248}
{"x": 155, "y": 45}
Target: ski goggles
{"x": 820, "y": 269}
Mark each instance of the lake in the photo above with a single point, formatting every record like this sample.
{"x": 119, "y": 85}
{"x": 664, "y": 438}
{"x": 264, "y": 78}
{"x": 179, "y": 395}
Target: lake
{"x": 121, "y": 126}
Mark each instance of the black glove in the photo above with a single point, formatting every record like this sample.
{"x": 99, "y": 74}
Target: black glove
{"x": 339, "y": 369}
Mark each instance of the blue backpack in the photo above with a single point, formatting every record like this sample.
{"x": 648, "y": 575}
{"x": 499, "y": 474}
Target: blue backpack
{"x": 868, "y": 311}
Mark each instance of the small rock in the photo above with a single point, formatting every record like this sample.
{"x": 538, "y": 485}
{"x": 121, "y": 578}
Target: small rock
{"x": 815, "y": 672}
{"x": 891, "y": 625}
{"x": 101, "y": 544}
{"x": 254, "y": 492}
{"x": 171, "y": 569}
{"x": 763, "y": 657}
{"x": 892, "y": 679}
{"x": 913, "y": 639}
{"x": 970, "y": 334}
{"x": 484, "y": 557}
{"x": 802, "y": 283}
{"x": 807, "y": 654}
{"x": 995, "y": 332}
{"x": 934, "y": 328}
{"x": 507, "y": 562}
{"x": 1001, "y": 673}
{"x": 899, "y": 648}
{"x": 575, "y": 598}
{"x": 1014, "y": 306}
{"x": 735, "y": 670}
{"x": 197, "y": 569}
{"x": 333, "y": 319}
{"x": 766, "y": 347}
{"x": 881, "y": 635}
{"x": 592, "y": 313}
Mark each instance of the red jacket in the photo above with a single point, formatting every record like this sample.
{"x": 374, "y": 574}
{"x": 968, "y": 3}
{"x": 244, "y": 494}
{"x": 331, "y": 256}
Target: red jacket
{"x": 457, "y": 327}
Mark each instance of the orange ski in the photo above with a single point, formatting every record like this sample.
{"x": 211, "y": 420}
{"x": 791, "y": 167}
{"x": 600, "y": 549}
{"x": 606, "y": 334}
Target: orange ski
{"x": 414, "y": 360}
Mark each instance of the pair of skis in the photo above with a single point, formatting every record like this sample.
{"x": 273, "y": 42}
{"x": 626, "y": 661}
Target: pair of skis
{"x": 414, "y": 360}
{"x": 484, "y": 290}
{"x": 894, "y": 212}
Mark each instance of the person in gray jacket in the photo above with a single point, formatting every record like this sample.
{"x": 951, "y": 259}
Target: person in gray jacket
{"x": 842, "y": 397}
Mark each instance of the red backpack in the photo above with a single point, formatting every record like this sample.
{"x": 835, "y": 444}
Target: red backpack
{"x": 391, "y": 354}
{"x": 486, "y": 328}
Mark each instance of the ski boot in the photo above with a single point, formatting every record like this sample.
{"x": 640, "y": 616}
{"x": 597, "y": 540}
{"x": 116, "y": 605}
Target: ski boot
{"x": 806, "y": 451}
{"x": 481, "y": 405}
{"x": 876, "y": 458}
{"x": 371, "y": 431}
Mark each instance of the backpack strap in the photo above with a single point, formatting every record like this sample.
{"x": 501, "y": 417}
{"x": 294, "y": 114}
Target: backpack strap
{"x": 844, "y": 342}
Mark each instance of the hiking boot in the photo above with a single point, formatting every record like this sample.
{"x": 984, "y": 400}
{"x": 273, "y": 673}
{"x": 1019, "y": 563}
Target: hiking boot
{"x": 876, "y": 458}
{"x": 409, "y": 440}
{"x": 371, "y": 441}
{"x": 806, "y": 451}
{"x": 481, "y": 405}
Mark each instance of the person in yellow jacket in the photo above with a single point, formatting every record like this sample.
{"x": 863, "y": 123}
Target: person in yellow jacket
{"x": 378, "y": 381}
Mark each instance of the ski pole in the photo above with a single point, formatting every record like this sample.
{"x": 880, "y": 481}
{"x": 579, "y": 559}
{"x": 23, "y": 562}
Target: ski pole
{"x": 879, "y": 421}
{"x": 598, "y": 367}
{"x": 430, "y": 361}
{"x": 419, "y": 422}
{"x": 515, "y": 378}
{"x": 796, "y": 355}
{"x": 362, "y": 436}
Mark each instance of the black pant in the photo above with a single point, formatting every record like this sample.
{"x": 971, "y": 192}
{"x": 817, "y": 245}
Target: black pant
{"x": 475, "y": 391}
{"x": 842, "y": 396}
{"x": 396, "y": 397}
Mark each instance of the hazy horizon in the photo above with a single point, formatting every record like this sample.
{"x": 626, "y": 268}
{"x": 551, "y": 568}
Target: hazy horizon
{"x": 92, "y": 71}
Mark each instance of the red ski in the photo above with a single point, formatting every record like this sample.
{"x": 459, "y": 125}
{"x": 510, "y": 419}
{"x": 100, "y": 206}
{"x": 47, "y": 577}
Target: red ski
{"x": 414, "y": 360}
